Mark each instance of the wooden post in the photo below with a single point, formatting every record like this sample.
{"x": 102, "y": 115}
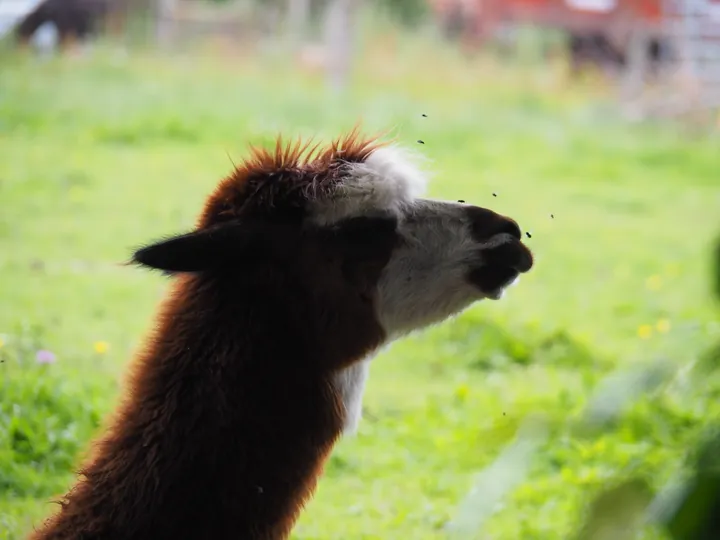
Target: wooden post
{"x": 298, "y": 16}
{"x": 164, "y": 12}
{"x": 635, "y": 74}
{"x": 340, "y": 23}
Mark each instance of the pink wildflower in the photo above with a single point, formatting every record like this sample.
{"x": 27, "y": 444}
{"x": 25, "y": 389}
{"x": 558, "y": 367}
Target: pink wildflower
{"x": 45, "y": 357}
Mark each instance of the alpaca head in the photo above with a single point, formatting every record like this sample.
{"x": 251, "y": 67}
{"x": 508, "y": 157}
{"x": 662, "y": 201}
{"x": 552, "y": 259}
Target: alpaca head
{"x": 346, "y": 229}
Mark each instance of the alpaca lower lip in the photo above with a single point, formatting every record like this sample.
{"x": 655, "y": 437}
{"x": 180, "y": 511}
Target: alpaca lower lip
{"x": 500, "y": 265}
{"x": 526, "y": 260}
{"x": 491, "y": 279}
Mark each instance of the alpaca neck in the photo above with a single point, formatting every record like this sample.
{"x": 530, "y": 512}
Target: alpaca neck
{"x": 223, "y": 434}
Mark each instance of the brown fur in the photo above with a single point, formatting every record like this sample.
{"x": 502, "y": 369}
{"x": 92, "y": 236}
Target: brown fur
{"x": 286, "y": 178}
{"x": 229, "y": 412}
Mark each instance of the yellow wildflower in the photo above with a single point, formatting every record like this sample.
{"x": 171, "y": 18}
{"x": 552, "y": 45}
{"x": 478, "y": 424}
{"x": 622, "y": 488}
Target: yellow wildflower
{"x": 462, "y": 391}
{"x": 672, "y": 269}
{"x": 663, "y": 326}
{"x": 2, "y": 343}
{"x": 644, "y": 331}
{"x": 654, "y": 282}
{"x": 101, "y": 347}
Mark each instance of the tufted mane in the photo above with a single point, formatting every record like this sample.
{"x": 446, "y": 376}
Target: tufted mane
{"x": 286, "y": 177}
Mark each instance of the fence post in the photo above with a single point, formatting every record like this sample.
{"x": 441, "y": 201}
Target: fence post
{"x": 298, "y": 15}
{"x": 340, "y": 23}
{"x": 164, "y": 21}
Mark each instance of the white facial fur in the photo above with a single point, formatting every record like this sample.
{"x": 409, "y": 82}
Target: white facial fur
{"x": 425, "y": 281}
{"x": 387, "y": 179}
{"x": 350, "y": 384}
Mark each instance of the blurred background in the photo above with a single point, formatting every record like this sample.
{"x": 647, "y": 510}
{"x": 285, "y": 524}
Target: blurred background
{"x": 582, "y": 405}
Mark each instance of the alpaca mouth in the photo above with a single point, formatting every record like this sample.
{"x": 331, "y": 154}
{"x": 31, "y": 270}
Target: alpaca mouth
{"x": 493, "y": 280}
{"x": 500, "y": 267}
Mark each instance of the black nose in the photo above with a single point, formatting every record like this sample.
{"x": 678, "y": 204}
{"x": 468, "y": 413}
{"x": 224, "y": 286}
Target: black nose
{"x": 514, "y": 255}
{"x": 485, "y": 224}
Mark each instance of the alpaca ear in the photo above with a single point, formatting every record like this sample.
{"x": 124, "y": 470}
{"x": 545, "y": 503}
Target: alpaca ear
{"x": 195, "y": 251}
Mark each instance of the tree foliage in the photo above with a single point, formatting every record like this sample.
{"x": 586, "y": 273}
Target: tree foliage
{"x": 406, "y": 12}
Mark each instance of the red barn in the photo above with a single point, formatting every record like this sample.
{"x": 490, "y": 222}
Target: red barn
{"x": 599, "y": 30}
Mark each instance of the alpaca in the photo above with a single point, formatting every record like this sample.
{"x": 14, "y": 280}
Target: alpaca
{"x": 305, "y": 261}
{"x": 75, "y": 20}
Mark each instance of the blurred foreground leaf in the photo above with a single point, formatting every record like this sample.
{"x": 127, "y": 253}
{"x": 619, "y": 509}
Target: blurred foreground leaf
{"x": 691, "y": 511}
{"x": 716, "y": 269}
{"x": 697, "y": 517}
{"x": 494, "y": 482}
{"x": 620, "y": 389}
{"x": 617, "y": 513}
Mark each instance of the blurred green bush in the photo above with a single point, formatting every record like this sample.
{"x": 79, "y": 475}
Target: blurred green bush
{"x": 46, "y": 419}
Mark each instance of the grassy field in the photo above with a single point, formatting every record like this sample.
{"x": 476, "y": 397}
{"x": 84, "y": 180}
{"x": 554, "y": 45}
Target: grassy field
{"x": 102, "y": 153}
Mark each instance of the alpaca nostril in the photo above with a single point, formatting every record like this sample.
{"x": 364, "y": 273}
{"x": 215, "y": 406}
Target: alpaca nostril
{"x": 485, "y": 224}
{"x": 511, "y": 255}
{"x": 511, "y": 227}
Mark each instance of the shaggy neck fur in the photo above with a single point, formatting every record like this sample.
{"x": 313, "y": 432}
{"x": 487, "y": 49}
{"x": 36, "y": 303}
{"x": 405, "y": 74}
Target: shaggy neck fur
{"x": 211, "y": 442}
{"x": 304, "y": 262}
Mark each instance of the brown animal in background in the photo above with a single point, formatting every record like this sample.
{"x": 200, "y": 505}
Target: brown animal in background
{"x": 304, "y": 263}
{"x": 75, "y": 20}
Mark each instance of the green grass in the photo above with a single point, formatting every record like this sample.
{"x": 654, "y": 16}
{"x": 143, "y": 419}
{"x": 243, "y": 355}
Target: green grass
{"x": 100, "y": 154}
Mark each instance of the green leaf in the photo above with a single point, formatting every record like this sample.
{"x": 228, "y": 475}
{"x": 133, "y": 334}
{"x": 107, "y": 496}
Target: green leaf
{"x": 697, "y": 516}
{"x": 617, "y": 513}
{"x": 494, "y": 482}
